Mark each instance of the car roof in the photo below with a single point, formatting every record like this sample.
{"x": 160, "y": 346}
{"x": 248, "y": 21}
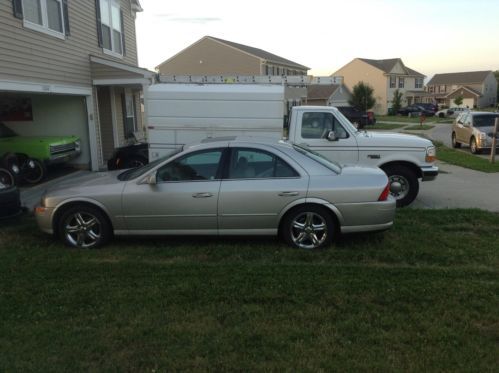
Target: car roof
{"x": 213, "y": 142}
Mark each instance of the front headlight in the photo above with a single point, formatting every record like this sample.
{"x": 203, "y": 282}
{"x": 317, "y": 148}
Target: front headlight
{"x": 431, "y": 154}
{"x": 77, "y": 145}
{"x": 483, "y": 136}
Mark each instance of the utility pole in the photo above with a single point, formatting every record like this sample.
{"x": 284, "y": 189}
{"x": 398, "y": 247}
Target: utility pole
{"x": 494, "y": 141}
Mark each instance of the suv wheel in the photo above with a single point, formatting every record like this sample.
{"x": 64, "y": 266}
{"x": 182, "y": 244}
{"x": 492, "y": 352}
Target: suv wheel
{"x": 473, "y": 147}
{"x": 455, "y": 144}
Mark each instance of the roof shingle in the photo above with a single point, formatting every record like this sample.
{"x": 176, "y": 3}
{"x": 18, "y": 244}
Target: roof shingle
{"x": 461, "y": 78}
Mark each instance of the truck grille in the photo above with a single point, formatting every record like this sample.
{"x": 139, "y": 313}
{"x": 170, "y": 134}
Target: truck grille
{"x": 64, "y": 148}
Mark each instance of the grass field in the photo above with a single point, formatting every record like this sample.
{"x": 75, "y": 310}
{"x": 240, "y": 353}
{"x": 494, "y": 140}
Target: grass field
{"x": 420, "y": 297}
{"x": 465, "y": 159}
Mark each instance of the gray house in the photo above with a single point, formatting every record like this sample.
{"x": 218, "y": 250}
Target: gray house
{"x": 477, "y": 88}
{"x": 75, "y": 63}
{"x": 328, "y": 95}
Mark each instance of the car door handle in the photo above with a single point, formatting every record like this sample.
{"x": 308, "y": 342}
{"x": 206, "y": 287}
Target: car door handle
{"x": 288, "y": 194}
{"x": 202, "y": 195}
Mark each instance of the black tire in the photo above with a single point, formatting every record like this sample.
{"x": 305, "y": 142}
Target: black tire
{"x": 6, "y": 177}
{"x": 134, "y": 162}
{"x": 473, "y": 147}
{"x": 36, "y": 174}
{"x": 84, "y": 226}
{"x": 308, "y": 227}
{"x": 455, "y": 143}
{"x": 441, "y": 115}
{"x": 404, "y": 184}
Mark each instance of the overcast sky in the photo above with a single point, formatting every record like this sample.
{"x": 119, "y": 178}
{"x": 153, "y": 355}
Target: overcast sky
{"x": 431, "y": 36}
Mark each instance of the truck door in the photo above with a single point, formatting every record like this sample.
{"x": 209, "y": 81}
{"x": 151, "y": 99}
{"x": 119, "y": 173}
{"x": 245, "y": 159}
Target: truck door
{"x": 312, "y": 128}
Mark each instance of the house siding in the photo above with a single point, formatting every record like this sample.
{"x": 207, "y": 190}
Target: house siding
{"x": 216, "y": 59}
{"x": 357, "y": 71}
{"x": 29, "y": 55}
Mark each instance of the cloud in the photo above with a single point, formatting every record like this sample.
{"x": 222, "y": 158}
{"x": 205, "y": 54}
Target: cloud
{"x": 175, "y": 18}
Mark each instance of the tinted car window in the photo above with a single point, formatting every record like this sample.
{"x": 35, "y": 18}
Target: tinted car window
{"x": 484, "y": 120}
{"x": 256, "y": 163}
{"x": 201, "y": 165}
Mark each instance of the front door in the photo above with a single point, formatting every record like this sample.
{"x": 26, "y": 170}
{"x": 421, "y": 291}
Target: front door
{"x": 313, "y": 132}
{"x": 183, "y": 200}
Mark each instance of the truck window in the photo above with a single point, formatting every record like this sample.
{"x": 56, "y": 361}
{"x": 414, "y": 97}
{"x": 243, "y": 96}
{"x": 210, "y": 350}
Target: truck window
{"x": 317, "y": 125}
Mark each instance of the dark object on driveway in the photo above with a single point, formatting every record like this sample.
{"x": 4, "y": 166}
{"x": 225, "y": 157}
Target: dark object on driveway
{"x": 22, "y": 168}
{"x": 129, "y": 156}
{"x": 356, "y": 116}
{"x": 429, "y": 107}
{"x": 10, "y": 201}
{"x": 415, "y": 111}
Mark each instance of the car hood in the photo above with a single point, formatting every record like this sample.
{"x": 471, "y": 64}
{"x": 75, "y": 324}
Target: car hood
{"x": 367, "y": 138}
{"x": 41, "y": 139}
{"x": 89, "y": 183}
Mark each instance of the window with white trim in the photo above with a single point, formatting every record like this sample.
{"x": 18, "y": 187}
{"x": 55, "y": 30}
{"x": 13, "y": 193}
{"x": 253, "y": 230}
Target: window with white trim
{"x": 401, "y": 82}
{"x": 392, "y": 81}
{"x": 47, "y": 16}
{"x": 110, "y": 26}
{"x": 419, "y": 83}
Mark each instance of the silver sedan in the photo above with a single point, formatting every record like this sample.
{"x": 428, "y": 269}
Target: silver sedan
{"x": 229, "y": 187}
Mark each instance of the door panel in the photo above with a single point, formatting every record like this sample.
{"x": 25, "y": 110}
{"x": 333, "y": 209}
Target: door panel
{"x": 190, "y": 205}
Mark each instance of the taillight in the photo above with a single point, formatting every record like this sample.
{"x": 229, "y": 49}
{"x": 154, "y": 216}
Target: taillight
{"x": 385, "y": 193}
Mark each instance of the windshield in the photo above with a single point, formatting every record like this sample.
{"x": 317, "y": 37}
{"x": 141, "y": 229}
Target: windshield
{"x": 139, "y": 171}
{"x": 485, "y": 120}
{"x": 333, "y": 166}
{"x": 6, "y": 131}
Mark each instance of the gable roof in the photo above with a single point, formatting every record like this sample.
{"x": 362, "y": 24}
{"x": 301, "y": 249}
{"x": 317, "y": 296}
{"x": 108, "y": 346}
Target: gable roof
{"x": 461, "y": 78}
{"x": 260, "y": 53}
{"x": 321, "y": 91}
{"x": 388, "y": 64}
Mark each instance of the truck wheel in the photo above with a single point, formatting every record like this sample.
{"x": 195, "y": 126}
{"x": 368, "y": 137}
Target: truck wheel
{"x": 455, "y": 144}
{"x": 404, "y": 184}
{"x": 83, "y": 226}
{"x": 36, "y": 174}
{"x": 308, "y": 227}
{"x": 473, "y": 147}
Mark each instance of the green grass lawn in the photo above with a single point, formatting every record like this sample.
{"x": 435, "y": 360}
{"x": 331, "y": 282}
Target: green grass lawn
{"x": 384, "y": 126}
{"x": 420, "y": 297}
{"x": 417, "y": 127}
{"x": 408, "y": 120}
{"x": 465, "y": 159}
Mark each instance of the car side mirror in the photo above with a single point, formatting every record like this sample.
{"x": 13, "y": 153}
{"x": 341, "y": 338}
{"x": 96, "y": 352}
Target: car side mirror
{"x": 331, "y": 136}
{"x": 152, "y": 179}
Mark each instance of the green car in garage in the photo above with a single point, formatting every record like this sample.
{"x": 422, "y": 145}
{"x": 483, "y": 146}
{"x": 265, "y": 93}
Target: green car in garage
{"x": 43, "y": 150}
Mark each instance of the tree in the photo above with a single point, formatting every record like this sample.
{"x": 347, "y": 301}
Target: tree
{"x": 458, "y": 100}
{"x": 396, "y": 101}
{"x": 362, "y": 96}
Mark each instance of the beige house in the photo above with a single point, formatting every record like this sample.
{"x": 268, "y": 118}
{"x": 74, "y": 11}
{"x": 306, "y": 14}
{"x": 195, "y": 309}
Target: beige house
{"x": 328, "y": 95}
{"x": 213, "y": 56}
{"x": 477, "y": 88}
{"x": 384, "y": 76}
{"x": 75, "y": 63}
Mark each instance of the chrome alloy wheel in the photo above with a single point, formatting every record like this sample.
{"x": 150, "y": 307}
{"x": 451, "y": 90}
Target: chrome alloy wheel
{"x": 82, "y": 229}
{"x": 308, "y": 230}
{"x": 399, "y": 186}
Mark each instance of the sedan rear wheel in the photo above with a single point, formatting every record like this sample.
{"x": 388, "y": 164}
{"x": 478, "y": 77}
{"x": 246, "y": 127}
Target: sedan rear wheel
{"x": 308, "y": 227}
{"x": 84, "y": 226}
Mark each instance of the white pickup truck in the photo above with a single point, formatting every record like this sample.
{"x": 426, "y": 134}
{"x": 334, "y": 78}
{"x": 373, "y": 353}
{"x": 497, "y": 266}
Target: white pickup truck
{"x": 183, "y": 113}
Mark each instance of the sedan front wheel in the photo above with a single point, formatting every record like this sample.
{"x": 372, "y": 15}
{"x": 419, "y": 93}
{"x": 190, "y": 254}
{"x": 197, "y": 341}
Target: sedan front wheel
{"x": 84, "y": 227}
{"x": 308, "y": 227}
